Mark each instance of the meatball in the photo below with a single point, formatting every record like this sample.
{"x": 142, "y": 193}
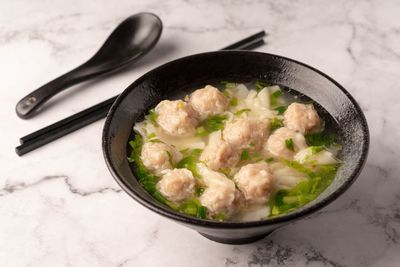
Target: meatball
{"x": 208, "y": 101}
{"x": 176, "y": 118}
{"x": 239, "y": 202}
{"x": 159, "y": 156}
{"x": 219, "y": 154}
{"x": 220, "y": 194}
{"x": 277, "y": 143}
{"x": 302, "y": 118}
{"x": 177, "y": 184}
{"x": 218, "y": 199}
{"x": 244, "y": 132}
{"x": 255, "y": 181}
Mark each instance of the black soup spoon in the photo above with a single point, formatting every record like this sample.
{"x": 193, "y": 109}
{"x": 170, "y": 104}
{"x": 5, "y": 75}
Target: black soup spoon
{"x": 132, "y": 39}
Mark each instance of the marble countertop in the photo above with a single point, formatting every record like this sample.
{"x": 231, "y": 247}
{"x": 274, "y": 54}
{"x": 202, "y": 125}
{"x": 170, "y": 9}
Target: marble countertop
{"x": 59, "y": 206}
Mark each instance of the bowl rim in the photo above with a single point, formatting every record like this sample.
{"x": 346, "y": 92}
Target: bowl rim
{"x": 167, "y": 212}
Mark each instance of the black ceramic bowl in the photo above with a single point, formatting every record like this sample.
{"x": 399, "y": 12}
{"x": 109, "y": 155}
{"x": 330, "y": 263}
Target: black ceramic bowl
{"x": 177, "y": 78}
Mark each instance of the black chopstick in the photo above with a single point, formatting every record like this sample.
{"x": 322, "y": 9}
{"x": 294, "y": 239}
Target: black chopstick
{"x": 243, "y": 43}
{"x": 61, "y": 131}
{"x": 85, "y": 117}
{"x": 253, "y": 45}
{"x": 92, "y": 111}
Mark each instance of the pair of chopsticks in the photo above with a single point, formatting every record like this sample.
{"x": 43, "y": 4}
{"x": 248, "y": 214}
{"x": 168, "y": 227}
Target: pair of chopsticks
{"x": 85, "y": 117}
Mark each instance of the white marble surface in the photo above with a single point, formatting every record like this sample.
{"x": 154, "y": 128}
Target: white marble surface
{"x": 60, "y": 207}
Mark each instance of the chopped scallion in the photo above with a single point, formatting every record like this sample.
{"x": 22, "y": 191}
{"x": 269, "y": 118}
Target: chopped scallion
{"x": 320, "y": 139}
{"x": 245, "y": 155}
{"x": 261, "y": 85}
{"x": 199, "y": 191}
{"x": 239, "y": 112}
{"x": 270, "y": 159}
{"x": 152, "y": 135}
{"x": 200, "y": 131}
{"x": 275, "y": 124}
{"x": 316, "y": 149}
{"x": 189, "y": 162}
{"x": 275, "y": 96}
{"x": 155, "y": 140}
{"x": 170, "y": 159}
{"x": 289, "y": 144}
{"x": 202, "y": 212}
{"x": 234, "y": 101}
{"x": 153, "y": 116}
{"x": 280, "y": 110}
{"x": 211, "y": 124}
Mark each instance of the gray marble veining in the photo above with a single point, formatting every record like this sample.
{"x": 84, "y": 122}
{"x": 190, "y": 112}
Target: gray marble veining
{"x": 59, "y": 205}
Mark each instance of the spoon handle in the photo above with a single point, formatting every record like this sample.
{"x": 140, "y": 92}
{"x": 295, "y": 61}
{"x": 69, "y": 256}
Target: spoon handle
{"x": 30, "y": 103}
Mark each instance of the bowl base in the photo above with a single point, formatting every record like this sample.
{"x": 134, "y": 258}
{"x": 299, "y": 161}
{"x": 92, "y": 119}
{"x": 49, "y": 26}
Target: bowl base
{"x": 236, "y": 241}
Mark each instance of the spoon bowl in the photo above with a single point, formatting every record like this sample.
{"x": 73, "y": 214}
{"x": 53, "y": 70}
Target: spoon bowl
{"x": 132, "y": 39}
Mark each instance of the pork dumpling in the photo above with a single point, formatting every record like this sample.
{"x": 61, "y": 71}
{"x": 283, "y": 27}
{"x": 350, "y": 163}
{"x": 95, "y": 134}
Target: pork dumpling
{"x": 255, "y": 182}
{"x": 285, "y": 143}
{"x": 208, "y": 101}
{"x": 302, "y": 118}
{"x": 219, "y": 196}
{"x": 245, "y": 132}
{"x": 157, "y": 157}
{"x": 176, "y": 118}
{"x": 218, "y": 153}
{"x": 177, "y": 184}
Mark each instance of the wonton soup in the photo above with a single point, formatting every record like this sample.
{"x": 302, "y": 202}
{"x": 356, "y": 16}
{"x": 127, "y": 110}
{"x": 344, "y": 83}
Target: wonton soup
{"x": 241, "y": 152}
